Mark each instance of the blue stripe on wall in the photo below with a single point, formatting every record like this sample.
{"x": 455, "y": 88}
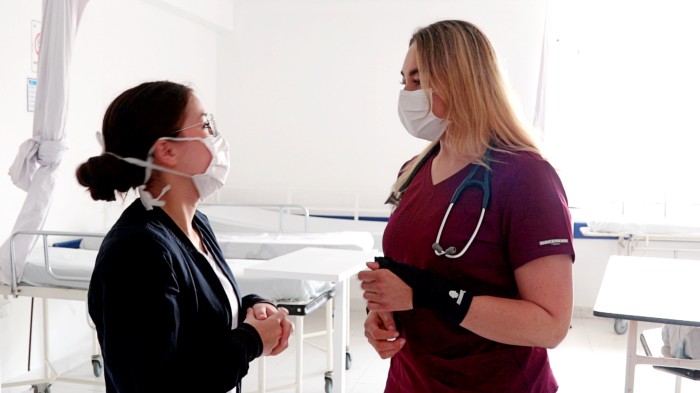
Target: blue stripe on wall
{"x": 361, "y": 218}
{"x": 577, "y": 225}
{"x": 579, "y": 235}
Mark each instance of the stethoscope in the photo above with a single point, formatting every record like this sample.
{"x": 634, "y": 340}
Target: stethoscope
{"x": 469, "y": 181}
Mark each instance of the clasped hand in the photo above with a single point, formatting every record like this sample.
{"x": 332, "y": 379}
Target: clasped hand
{"x": 384, "y": 290}
{"x": 272, "y": 325}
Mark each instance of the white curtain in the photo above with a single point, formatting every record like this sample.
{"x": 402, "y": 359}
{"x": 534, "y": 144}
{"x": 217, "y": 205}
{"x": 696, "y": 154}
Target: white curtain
{"x": 34, "y": 168}
{"x": 538, "y": 121}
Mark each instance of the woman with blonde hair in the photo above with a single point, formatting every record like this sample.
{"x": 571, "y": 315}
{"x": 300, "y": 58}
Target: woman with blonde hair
{"x": 476, "y": 281}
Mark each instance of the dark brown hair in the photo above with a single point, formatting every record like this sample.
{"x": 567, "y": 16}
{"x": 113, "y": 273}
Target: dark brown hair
{"x": 131, "y": 125}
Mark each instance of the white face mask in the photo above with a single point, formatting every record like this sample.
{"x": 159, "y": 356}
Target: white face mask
{"x": 416, "y": 116}
{"x": 206, "y": 183}
{"x": 215, "y": 176}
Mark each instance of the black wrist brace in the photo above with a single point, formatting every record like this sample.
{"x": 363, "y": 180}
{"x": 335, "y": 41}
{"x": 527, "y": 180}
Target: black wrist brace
{"x": 431, "y": 290}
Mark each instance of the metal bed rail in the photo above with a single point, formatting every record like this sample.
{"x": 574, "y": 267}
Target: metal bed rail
{"x": 44, "y": 235}
{"x": 632, "y": 243}
{"x": 281, "y": 208}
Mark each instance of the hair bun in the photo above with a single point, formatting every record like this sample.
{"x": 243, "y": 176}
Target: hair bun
{"x": 105, "y": 174}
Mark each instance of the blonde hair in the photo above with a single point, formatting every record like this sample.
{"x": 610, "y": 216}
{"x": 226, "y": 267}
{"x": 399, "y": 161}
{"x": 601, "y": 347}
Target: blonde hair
{"x": 457, "y": 61}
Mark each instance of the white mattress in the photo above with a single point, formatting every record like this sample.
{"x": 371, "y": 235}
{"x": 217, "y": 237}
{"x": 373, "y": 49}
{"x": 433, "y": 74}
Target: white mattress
{"x": 631, "y": 226}
{"x": 271, "y": 245}
{"x": 277, "y": 289}
{"x": 64, "y": 262}
{"x": 80, "y": 262}
{"x": 231, "y": 218}
{"x": 228, "y": 219}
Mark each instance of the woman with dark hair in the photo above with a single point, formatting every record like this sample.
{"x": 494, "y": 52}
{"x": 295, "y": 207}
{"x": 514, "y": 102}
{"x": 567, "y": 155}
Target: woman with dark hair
{"x": 476, "y": 281}
{"x": 167, "y": 309}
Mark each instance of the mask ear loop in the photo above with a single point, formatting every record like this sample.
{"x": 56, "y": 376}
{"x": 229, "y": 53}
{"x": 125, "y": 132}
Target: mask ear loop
{"x": 149, "y": 166}
{"x": 147, "y": 198}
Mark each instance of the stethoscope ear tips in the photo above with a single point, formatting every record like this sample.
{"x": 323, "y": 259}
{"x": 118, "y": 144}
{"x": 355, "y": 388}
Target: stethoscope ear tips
{"x": 439, "y": 251}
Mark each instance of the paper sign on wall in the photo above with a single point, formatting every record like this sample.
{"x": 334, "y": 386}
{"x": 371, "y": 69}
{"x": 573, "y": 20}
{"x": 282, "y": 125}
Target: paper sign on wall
{"x": 36, "y": 44}
{"x": 31, "y": 94}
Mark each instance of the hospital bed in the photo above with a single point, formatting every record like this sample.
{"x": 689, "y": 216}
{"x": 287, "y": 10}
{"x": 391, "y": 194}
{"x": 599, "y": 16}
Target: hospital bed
{"x": 53, "y": 273}
{"x": 64, "y": 273}
{"x": 648, "y": 235}
{"x": 269, "y": 231}
{"x": 661, "y": 237}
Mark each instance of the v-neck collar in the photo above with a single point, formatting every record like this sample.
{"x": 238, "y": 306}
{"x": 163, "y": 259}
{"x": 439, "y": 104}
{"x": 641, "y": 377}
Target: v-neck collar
{"x": 428, "y": 176}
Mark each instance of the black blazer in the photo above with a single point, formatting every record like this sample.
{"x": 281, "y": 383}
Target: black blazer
{"x": 163, "y": 319}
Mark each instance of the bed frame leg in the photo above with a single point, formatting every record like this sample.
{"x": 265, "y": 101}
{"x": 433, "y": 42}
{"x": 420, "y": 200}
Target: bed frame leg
{"x": 299, "y": 320}
{"x": 632, "y": 338}
{"x": 0, "y": 371}
{"x": 329, "y": 335}
{"x": 45, "y": 327}
{"x": 261, "y": 374}
{"x": 346, "y": 312}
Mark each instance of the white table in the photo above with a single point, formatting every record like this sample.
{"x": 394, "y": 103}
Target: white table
{"x": 661, "y": 290}
{"x": 323, "y": 264}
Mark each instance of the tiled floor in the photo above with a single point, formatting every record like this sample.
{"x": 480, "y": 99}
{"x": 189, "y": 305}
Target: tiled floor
{"x": 591, "y": 359}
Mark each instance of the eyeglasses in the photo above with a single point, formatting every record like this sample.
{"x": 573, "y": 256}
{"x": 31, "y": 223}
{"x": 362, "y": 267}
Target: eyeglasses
{"x": 209, "y": 124}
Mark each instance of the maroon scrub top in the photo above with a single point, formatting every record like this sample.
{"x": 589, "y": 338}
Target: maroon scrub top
{"x": 528, "y": 218}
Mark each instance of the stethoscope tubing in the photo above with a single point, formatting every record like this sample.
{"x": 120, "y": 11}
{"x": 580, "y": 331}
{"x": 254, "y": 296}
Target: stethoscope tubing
{"x": 468, "y": 181}
{"x": 484, "y": 184}
{"x": 440, "y": 252}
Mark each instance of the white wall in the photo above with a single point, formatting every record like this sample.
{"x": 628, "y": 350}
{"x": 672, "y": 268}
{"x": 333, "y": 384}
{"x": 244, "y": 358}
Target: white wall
{"x": 120, "y": 43}
{"x": 310, "y": 88}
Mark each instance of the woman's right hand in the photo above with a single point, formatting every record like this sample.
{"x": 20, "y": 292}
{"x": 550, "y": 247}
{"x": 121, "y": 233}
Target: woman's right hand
{"x": 380, "y": 330}
{"x": 272, "y": 330}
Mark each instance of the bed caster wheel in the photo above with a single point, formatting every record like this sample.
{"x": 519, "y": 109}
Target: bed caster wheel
{"x": 42, "y": 388}
{"x": 329, "y": 385}
{"x": 348, "y": 360}
{"x": 621, "y": 326}
{"x": 97, "y": 365}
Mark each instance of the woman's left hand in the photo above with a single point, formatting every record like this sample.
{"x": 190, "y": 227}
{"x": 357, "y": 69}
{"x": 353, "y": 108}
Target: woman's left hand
{"x": 263, "y": 311}
{"x": 384, "y": 290}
